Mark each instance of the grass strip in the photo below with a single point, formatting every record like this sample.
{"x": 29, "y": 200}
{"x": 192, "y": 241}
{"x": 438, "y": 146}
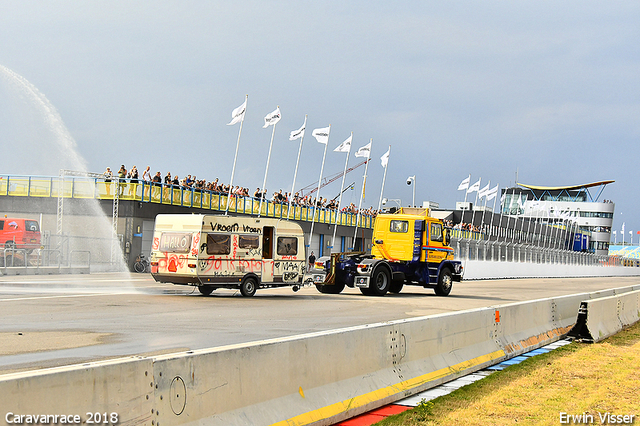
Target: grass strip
{"x": 579, "y": 379}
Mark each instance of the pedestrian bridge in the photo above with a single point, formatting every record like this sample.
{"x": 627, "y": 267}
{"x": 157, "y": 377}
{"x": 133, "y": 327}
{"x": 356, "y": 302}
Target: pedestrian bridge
{"x": 81, "y": 187}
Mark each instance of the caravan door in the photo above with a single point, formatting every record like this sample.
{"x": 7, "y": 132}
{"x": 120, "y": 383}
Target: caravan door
{"x": 267, "y": 254}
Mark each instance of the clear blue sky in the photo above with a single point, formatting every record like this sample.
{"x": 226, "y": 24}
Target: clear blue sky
{"x": 547, "y": 89}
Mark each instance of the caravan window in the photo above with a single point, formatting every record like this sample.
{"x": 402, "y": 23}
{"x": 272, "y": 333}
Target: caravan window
{"x": 248, "y": 241}
{"x": 218, "y": 244}
{"x": 175, "y": 242}
{"x": 287, "y": 246}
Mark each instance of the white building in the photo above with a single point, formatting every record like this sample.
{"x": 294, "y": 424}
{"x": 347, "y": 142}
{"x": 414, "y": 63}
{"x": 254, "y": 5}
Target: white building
{"x": 567, "y": 204}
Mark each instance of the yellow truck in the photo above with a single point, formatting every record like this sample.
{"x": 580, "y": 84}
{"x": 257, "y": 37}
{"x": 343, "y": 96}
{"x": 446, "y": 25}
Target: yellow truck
{"x": 409, "y": 247}
{"x": 216, "y": 251}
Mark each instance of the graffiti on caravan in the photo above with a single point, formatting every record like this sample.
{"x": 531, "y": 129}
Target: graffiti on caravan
{"x": 234, "y": 228}
{"x": 175, "y": 242}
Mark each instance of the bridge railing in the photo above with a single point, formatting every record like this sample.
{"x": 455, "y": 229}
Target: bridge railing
{"x": 160, "y": 193}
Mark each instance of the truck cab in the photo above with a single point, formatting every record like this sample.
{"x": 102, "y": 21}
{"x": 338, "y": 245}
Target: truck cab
{"x": 409, "y": 248}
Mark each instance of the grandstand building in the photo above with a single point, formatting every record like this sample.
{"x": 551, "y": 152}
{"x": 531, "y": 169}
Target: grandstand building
{"x": 565, "y": 204}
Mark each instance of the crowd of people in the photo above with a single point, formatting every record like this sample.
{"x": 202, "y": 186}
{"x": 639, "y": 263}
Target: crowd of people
{"x": 216, "y": 187}
{"x": 461, "y": 226}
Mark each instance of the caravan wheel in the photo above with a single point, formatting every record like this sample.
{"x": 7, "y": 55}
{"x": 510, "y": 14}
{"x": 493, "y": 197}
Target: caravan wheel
{"x": 248, "y": 287}
{"x": 206, "y": 290}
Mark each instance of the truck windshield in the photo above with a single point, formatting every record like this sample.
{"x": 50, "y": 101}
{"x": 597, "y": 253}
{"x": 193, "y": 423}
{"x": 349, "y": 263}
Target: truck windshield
{"x": 399, "y": 226}
{"x": 436, "y": 232}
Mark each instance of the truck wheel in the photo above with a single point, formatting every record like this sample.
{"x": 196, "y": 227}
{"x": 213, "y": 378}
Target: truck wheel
{"x": 396, "y": 287}
{"x": 206, "y": 290}
{"x": 445, "y": 282}
{"x": 248, "y": 287}
{"x": 380, "y": 282}
{"x": 330, "y": 289}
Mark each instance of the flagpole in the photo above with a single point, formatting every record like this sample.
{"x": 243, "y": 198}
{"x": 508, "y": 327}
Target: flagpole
{"x": 473, "y": 213}
{"x": 501, "y": 215}
{"x": 364, "y": 183}
{"x": 264, "y": 184}
{"x": 493, "y": 210}
{"x": 465, "y": 192}
{"x": 315, "y": 207}
{"x": 344, "y": 175}
{"x": 523, "y": 215}
{"x": 529, "y": 226}
{"x": 546, "y": 230}
{"x": 384, "y": 177}
{"x": 235, "y": 158}
{"x": 485, "y": 206}
{"x": 295, "y": 173}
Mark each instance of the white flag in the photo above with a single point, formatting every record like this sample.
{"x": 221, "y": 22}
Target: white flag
{"x": 272, "y": 118}
{"x": 474, "y": 187}
{"x": 384, "y": 160}
{"x": 344, "y": 146}
{"x": 322, "y": 134}
{"x": 297, "y": 134}
{"x": 238, "y": 113}
{"x": 364, "y": 151}
{"x": 464, "y": 184}
{"x": 483, "y": 191}
{"x": 491, "y": 194}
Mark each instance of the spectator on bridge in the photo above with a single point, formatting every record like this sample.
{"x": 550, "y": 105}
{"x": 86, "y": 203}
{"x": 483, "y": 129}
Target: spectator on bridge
{"x": 134, "y": 174}
{"x": 108, "y": 174}
{"x": 122, "y": 173}
{"x": 146, "y": 175}
{"x": 167, "y": 179}
{"x": 157, "y": 179}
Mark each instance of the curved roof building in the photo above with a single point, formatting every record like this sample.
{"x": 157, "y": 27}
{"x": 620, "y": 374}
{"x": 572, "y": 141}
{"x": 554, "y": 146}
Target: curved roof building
{"x": 580, "y": 203}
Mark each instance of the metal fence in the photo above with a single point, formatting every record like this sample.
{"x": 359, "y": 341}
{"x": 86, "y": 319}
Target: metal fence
{"x": 502, "y": 251}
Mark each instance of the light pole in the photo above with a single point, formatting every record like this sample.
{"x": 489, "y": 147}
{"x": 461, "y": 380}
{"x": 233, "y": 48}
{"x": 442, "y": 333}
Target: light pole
{"x": 410, "y": 180}
{"x": 397, "y": 201}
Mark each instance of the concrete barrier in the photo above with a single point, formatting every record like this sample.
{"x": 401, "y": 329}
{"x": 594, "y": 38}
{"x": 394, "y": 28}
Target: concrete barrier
{"x": 120, "y": 387}
{"x": 480, "y": 270}
{"x": 318, "y": 378}
{"x": 606, "y": 316}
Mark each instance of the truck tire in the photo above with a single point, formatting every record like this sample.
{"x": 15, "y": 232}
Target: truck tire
{"x": 396, "y": 287}
{"x": 445, "y": 282}
{"x": 248, "y": 287}
{"x": 380, "y": 282}
{"x": 330, "y": 289}
{"x": 206, "y": 290}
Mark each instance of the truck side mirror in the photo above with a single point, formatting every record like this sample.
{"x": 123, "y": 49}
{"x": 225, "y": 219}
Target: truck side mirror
{"x": 446, "y": 240}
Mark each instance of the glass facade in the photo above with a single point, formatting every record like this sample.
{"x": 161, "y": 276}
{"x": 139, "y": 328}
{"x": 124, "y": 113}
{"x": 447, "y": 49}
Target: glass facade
{"x": 559, "y": 205}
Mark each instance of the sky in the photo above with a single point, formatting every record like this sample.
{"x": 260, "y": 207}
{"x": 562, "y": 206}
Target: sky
{"x": 540, "y": 92}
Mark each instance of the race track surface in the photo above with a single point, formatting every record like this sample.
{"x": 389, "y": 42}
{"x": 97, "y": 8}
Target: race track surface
{"x": 56, "y": 320}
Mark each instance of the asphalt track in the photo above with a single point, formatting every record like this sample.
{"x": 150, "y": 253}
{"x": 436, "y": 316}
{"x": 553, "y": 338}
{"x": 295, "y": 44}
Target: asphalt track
{"x": 56, "y": 320}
